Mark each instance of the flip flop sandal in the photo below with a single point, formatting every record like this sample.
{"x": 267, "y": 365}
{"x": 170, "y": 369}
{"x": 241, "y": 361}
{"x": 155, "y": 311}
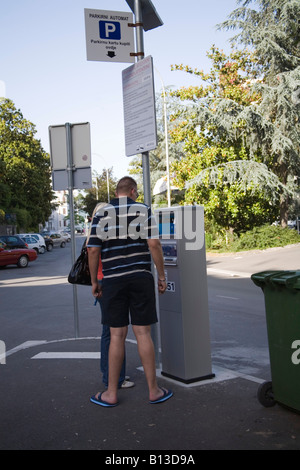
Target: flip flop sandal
{"x": 99, "y": 401}
{"x": 167, "y": 394}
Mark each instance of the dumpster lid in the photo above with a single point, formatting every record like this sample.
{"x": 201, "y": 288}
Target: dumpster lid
{"x": 290, "y": 279}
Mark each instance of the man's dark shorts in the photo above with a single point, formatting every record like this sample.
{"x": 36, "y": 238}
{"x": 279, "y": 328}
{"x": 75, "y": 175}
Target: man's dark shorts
{"x": 132, "y": 294}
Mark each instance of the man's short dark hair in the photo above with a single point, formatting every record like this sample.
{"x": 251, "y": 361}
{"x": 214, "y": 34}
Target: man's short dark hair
{"x": 125, "y": 185}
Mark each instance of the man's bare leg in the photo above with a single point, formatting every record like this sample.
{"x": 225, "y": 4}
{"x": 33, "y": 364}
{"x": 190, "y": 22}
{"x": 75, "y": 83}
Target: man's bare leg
{"x": 115, "y": 361}
{"x": 147, "y": 355}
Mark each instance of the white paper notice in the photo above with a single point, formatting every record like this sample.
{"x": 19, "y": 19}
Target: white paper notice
{"x": 139, "y": 107}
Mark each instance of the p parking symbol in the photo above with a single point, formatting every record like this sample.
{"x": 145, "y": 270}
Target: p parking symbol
{"x": 110, "y": 30}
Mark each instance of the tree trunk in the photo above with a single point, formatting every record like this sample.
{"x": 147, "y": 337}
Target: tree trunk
{"x": 284, "y": 211}
{"x": 284, "y": 199}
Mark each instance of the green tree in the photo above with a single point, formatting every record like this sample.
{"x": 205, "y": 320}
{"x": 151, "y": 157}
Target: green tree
{"x": 255, "y": 111}
{"x": 272, "y": 30}
{"x": 24, "y": 169}
{"x": 215, "y": 168}
{"x": 100, "y": 191}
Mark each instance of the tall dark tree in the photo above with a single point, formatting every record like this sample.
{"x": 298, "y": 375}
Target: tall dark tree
{"x": 265, "y": 125}
{"x": 24, "y": 169}
{"x": 272, "y": 30}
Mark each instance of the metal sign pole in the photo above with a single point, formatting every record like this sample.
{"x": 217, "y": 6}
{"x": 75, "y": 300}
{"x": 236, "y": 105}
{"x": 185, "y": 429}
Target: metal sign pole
{"x": 140, "y": 56}
{"x": 72, "y": 222}
{"x": 145, "y": 155}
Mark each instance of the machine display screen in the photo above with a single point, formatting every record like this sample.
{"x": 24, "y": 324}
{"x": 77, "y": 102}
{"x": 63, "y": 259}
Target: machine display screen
{"x": 166, "y": 224}
{"x": 170, "y": 253}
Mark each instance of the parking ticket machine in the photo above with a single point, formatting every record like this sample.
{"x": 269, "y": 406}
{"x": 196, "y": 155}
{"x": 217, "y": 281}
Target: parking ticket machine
{"x": 183, "y": 308}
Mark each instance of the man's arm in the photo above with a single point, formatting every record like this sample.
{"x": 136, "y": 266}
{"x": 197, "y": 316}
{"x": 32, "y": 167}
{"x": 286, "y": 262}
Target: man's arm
{"x": 94, "y": 256}
{"x": 158, "y": 259}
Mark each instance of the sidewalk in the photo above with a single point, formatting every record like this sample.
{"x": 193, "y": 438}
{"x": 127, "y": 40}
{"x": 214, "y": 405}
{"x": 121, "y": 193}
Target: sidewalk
{"x": 245, "y": 263}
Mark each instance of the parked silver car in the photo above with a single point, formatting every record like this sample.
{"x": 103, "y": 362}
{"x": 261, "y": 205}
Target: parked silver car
{"x": 56, "y": 237}
{"x": 66, "y": 235}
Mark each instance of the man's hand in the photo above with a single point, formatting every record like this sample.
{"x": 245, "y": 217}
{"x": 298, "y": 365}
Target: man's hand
{"x": 158, "y": 259}
{"x": 162, "y": 286}
{"x": 97, "y": 290}
{"x": 94, "y": 255}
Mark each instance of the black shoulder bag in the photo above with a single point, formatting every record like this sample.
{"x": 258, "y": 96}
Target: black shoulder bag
{"x": 80, "y": 273}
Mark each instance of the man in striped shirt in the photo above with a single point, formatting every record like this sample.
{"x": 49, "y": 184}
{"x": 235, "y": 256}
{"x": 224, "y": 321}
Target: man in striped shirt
{"x": 125, "y": 235}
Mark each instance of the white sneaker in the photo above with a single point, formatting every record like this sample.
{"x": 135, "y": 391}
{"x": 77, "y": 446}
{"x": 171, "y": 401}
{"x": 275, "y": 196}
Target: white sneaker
{"x": 127, "y": 384}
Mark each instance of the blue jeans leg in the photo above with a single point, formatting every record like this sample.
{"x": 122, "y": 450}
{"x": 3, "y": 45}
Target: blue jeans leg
{"x": 105, "y": 340}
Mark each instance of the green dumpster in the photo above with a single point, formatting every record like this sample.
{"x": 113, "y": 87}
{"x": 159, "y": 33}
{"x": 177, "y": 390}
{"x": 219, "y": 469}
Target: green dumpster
{"x": 282, "y": 303}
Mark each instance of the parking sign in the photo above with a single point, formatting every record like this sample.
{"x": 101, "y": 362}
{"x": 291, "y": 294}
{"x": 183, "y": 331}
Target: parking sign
{"x": 110, "y": 30}
{"x": 109, "y": 37}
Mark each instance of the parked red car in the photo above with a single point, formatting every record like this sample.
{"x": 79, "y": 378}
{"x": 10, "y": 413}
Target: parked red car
{"x": 18, "y": 256}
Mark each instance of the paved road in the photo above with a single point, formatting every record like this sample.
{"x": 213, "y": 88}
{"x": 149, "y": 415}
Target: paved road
{"x": 44, "y": 404}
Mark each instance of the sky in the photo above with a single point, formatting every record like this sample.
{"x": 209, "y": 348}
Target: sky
{"x": 45, "y": 72}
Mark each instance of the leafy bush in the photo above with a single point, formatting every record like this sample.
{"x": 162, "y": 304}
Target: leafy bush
{"x": 259, "y": 238}
{"x": 266, "y": 236}
{"x": 217, "y": 238}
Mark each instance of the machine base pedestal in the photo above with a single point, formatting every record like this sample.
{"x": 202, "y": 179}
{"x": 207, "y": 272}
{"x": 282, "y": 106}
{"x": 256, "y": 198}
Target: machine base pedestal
{"x": 188, "y": 381}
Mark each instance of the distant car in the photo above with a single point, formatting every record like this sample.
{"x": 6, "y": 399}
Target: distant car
{"x": 79, "y": 229}
{"x": 292, "y": 224}
{"x": 47, "y": 239}
{"x": 49, "y": 244}
{"x": 18, "y": 256}
{"x": 38, "y": 237}
{"x": 66, "y": 235}
{"x": 13, "y": 241}
{"x": 56, "y": 237}
{"x": 33, "y": 243}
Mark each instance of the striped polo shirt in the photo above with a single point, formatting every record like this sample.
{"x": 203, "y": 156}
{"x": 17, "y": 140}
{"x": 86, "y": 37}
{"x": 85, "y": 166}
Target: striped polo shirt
{"x": 121, "y": 229}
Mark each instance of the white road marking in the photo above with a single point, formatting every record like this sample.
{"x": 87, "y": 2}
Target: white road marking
{"x": 222, "y": 272}
{"x": 34, "y": 281}
{"x": 67, "y": 355}
{"x": 226, "y": 297}
{"x": 26, "y": 345}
